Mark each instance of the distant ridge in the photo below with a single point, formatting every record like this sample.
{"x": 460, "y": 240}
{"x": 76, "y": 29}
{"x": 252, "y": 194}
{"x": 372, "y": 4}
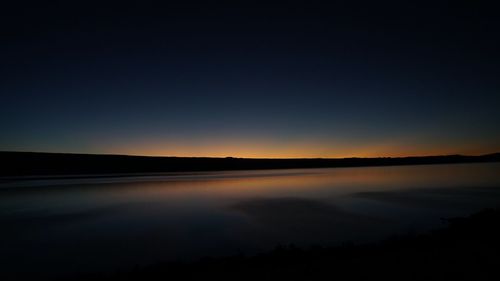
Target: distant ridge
{"x": 51, "y": 164}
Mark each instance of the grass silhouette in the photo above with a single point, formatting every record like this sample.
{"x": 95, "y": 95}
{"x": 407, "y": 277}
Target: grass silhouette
{"x": 466, "y": 249}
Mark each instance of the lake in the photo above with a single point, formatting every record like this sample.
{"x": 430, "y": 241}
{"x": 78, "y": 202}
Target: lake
{"x": 53, "y": 226}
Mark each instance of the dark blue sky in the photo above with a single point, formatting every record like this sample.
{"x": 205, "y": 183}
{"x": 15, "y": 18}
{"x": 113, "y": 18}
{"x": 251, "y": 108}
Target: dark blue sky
{"x": 346, "y": 80}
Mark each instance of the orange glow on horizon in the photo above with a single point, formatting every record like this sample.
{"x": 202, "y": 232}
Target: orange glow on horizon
{"x": 290, "y": 149}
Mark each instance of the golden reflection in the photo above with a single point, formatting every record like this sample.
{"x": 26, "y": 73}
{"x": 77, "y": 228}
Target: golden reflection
{"x": 321, "y": 183}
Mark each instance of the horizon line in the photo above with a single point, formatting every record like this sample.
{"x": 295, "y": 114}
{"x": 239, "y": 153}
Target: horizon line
{"x": 256, "y": 158}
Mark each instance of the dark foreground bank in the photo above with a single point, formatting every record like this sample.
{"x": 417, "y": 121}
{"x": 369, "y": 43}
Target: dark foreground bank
{"x": 46, "y": 164}
{"x": 466, "y": 249}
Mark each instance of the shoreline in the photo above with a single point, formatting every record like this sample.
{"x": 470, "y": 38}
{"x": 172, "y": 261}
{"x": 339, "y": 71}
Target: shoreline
{"x": 466, "y": 248}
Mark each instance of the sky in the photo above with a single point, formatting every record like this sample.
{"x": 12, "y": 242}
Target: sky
{"x": 362, "y": 79}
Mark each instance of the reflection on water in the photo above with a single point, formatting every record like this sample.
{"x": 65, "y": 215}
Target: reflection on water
{"x": 81, "y": 224}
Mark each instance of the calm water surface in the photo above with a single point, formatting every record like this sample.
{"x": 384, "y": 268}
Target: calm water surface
{"x": 85, "y": 224}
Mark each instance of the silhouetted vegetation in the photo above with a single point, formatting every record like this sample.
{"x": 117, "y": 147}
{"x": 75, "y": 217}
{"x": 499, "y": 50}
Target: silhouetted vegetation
{"x": 467, "y": 249}
{"x": 31, "y": 163}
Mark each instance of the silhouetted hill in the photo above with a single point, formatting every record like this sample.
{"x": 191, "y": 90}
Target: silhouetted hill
{"x": 38, "y": 163}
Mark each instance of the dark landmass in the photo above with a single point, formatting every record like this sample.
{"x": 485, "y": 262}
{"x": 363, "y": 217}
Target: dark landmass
{"x": 466, "y": 249}
{"x": 46, "y": 164}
